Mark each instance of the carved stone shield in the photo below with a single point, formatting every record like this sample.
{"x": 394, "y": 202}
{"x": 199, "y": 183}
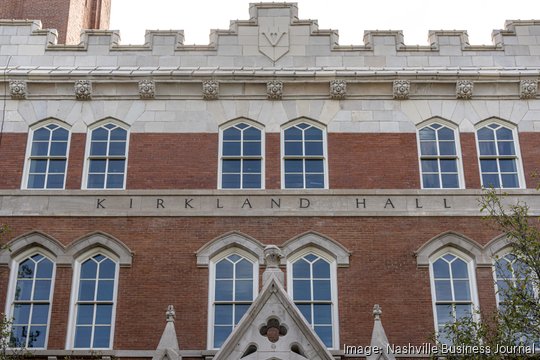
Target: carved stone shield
{"x": 274, "y": 37}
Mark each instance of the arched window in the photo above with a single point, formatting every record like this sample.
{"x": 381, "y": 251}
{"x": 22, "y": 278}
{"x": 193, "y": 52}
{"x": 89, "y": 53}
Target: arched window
{"x": 498, "y": 153}
{"x": 241, "y": 157}
{"x": 304, "y": 157}
{"x": 509, "y": 270}
{"x": 233, "y": 287}
{"x": 440, "y": 165}
{"x": 46, "y": 158}
{"x": 312, "y": 285}
{"x": 30, "y": 297}
{"x": 106, "y": 157}
{"x": 93, "y": 302}
{"x": 453, "y": 290}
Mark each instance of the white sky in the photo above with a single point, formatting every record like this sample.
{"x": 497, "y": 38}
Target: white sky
{"x": 350, "y": 17}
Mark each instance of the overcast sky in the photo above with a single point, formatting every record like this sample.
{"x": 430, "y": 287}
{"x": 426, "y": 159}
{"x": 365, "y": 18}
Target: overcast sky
{"x": 350, "y": 17}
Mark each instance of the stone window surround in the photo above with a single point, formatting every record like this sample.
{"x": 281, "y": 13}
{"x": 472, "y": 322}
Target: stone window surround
{"x": 28, "y": 156}
{"x": 459, "y": 157}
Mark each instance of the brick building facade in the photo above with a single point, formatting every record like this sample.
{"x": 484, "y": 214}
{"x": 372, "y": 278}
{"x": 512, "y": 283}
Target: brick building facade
{"x": 273, "y": 186}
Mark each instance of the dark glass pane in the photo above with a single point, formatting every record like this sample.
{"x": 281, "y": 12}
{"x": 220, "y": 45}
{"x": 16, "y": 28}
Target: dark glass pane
{"x": 322, "y": 314}
{"x": 293, "y": 148}
{"x": 510, "y": 180}
{"x": 231, "y": 149}
{"x": 314, "y": 166}
{"x": 506, "y": 148}
{"x": 446, "y": 134}
{"x": 55, "y": 181}
{"x": 508, "y": 165}
{"x": 431, "y": 181}
{"x": 118, "y": 134}
{"x": 301, "y": 290}
{"x": 461, "y": 290}
{"x": 252, "y": 133}
{"x": 87, "y": 289}
{"x": 441, "y": 269}
{"x": 100, "y": 134}
{"x": 293, "y": 134}
{"x": 117, "y": 166}
{"x": 313, "y": 134}
{"x": 21, "y": 313}
{"x": 322, "y": 290}
{"x": 42, "y": 290}
{"x": 23, "y": 290}
{"x": 321, "y": 269}
{"x": 314, "y": 181}
{"x": 105, "y": 290}
{"x": 102, "y": 336}
{"x": 42, "y": 134}
{"x": 447, "y": 148}
{"x": 98, "y": 257}
{"x": 449, "y": 166}
{"x": 303, "y": 126}
{"x": 98, "y": 148}
{"x": 314, "y": 148}
{"x": 220, "y": 335}
{"x": 252, "y": 166}
{"x": 294, "y": 166}
{"x": 428, "y": 148}
{"x": 36, "y": 181}
{"x": 463, "y": 310}
{"x": 244, "y": 269}
{"x": 305, "y": 309}
{"x": 58, "y": 148}
{"x": 485, "y": 134}
{"x": 85, "y": 314}
{"x": 82, "y": 336}
{"x": 325, "y": 333}
{"x": 252, "y": 148}
{"x": 103, "y": 314}
{"x": 241, "y": 126}
{"x": 459, "y": 269}
{"x": 40, "y": 149}
{"x": 26, "y": 269}
{"x": 97, "y": 166}
{"x": 503, "y": 290}
{"x": 36, "y": 336}
{"x": 18, "y": 336}
{"x": 60, "y": 134}
{"x": 107, "y": 269}
{"x": 487, "y": 148}
{"x": 231, "y": 134}
{"x": 57, "y": 166}
{"x": 115, "y": 181}
{"x": 231, "y": 166}
{"x": 224, "y": 269}
{"x": 504, "y": 134}
{"x": 444, "y": 314}
{"x": 294, "y": 181}
{"x": 117, "y": 148}
{"x": 490, "y": 180}
{"x": 503, "y": 269}
{"x": 239, "y": 311}
{"x": 427, "y": 134}
{"x": 88, "y": 269}
{"x": 224, "y": 289}
{"x": 230, "y": 181}
{"x": 38, "y": 166}
{"x": 301, "y": 269}
{"x": 450, "y": 181}
{"x": 443, "y": 290}
{"x": 223, "y": 314}
{"x": 488, "y": 165}
{"x": 244, "y": 290}
{"x": 430, "y": 166}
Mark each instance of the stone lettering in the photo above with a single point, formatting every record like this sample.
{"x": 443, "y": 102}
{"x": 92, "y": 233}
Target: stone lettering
{"x": 363, "y": 203}
{"x": 131, "y": 203}
{"x": 446, "y": 206}
{"x": 304, "y": 203}
{"x": 389, "y": 202}
{"x": 100, "y": 204}
{"x": 187, "y": 203}
{"x": 274, "y": 202}
{"x": 160, "y": 204}
{"x": 218, "y": 204}
{"x": 246, "y": 202}
{"x": 418, "y": 206}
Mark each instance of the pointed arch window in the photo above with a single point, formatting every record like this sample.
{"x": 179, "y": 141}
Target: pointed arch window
{"x": 304, "y": 157}
{"x": 30, "y": 298}
{"x": 47, "y": 158}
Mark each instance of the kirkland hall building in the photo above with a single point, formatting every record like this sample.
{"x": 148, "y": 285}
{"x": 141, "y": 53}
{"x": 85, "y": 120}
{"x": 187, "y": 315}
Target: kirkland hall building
{"x": 270, "y": 195}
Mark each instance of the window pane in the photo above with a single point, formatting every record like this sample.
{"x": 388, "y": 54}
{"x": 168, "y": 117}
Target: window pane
{"x": 301, "y": 269}
{"x": 294, "y": 181}
{"x": 231, "y": 148}
{"x": 504, "y": 134}
{"x": 322, "y": 314}
{"x": 428, "y": 148}
{"x": 461, "y": 290}
{"x": 325, "y": 333}
{"x": 60, "y": 134}
{"x": 36, "y": 336}
{"x": 252, "y": 181}
{"x": 244, "y": 269}
{"x": 82, "y": 336}
{"x": 252, "y": 166}
{"x": 42, "y": 134}
{"x": 220, "y": 334}
{"x": 231, "y": 134}
{"x": 18, "y": 336}
{"x": 36, "y": 181}
{"x": 38, "y": 166}
{"x": 449, "y": 165}
{"x": 232, "y": 166}
{"x": 293, "y": 134}
{"x": 430, "y": 166}
{"x": 118, "y": 134}
{"x": 100, "y": 134}
{"x": 23, "y": 290}
{"x": 301, "y": 290}
{"x": 230, "y": 181}
{"x": 98, "y": 166}
{"x": 223, "y": 314}
{"x": 58, "y": 148}
{"x": 431, "y": 181}
{"x": 102, "y": 336}
{"x": 107, "y": 269}
{"x": 293, "y": 148}
{"x": 510, "y": 180}
{"x": 85, "y": 314}
{"x": 55, "y": 181}
{"x": 117, "y": 166}
{"x": 321, "y": 269}
{"x": 224, "y": 289}
{"x": 105, "y": 290}
{"x": 88, "y": 269}
{"x": 40, "y": 149}
{"x": 314, "y": 148}
{"x": 490, "y": 180}
{"x": 98, "y": 148}
{"x": 26, "y": 269}
{"x": 443, "y": 290}
{"x": 450, "y": 181}
{"x": 446, "y": 134}
{"x": 21, "y": 313}
{"x": 224, "y": 269}
{"x": 117, "y": 148}
{"x": 115, "y": 181}
{"x": 447, "y": 148}
{"x": 57, "y": 166}
{"x": 487, "y": 148}
{"x": 42, "y": 289}
{"x": 252, "y": 133}
{"x": 314, "y": 166}
{"x": 244, "y": 290}
{"x": 321, "y": 290}
{"x": 441, "y": 269}
{"x": 252, "y": 148}
{"x": 444, "y": 314}
{"x": 239, "y": 311}
{"x": 305, "y": 309}
{"x": 427, "y": 134}
{"x": 313, "y": 134}
{"x": 87, "y": 289}
{"x": 506, "y": 148}
{"x": 294, "y": 166}
{"x": 459, "y": 269}
{"x": 488, "y": 165}
{"x": 463, "y": 310}
{"x": 508, "y": 165}
{"x": 314, "y": 181}
{"x": 485, "y": 134}
{"x": 104, "y": 314}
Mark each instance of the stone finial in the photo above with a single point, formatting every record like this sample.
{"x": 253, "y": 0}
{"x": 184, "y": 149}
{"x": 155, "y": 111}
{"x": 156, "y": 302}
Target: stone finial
{"x": 402, "y": 88}
{"x": 170, "y": 314}
{"x": 83, "y": 89}
{"x": 274, "y": 89}
{"x": 528, "y": 89}
{"x": 147, "y": 89}
{"x": 17, "y": 89}
{"x": 272, "y": 259}
{"x": 338, "y": 89}
{"x": 210, "y": 89}
{"x": 464, "y": 89}
{"x": 377, "y": 312}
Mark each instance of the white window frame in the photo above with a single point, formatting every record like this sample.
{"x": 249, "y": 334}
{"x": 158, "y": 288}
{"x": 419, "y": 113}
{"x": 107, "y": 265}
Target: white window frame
{"x": 72, "y": 321}
{"x": 86, "y": 167}
{"x": 519, "y": 165}
{"x": 471, "y": 268}
{"x": 29, "y": 157}
{"x": 241, "y": 157}
{"x": 14, "y": 267}
{"x": 458, "y": 156}
{"x": 291, "y": 259}
{"x": 211, "y": 286}
{"x": 303, "y": 157}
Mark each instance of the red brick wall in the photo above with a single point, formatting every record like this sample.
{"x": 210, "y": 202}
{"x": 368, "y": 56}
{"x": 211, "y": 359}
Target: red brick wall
{"x": 12, "y": 153}
{"x": 382, "y": 270}
{"x": 530, "y": 152}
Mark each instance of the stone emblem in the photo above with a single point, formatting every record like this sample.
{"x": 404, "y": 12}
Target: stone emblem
{"x": 338, "y": 89}
{"x": 464, "y": 89}
{"x": 274, "y": 89}
{"x": 17, "y": 89}
{"x": 147, "y": 89}
{"x": 210, "y": 89}
{"x": 83, "y": 89}
{"x": 273, "y": 37}
{"x": 528, "y": 89}
{"x": 273, "y": 330}
{"x": 402, "y": 89}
